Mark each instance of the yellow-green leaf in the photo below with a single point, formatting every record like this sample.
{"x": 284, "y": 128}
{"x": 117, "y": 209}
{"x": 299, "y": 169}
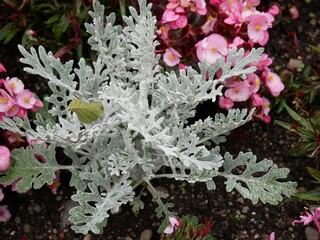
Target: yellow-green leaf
{"x": 314, "y": 173}
{"x": 86, "y": 112}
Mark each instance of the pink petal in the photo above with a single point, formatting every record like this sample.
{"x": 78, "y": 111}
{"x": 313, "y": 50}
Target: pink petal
{"x": 4, "y": 158}
{"x": 2, "y": 68}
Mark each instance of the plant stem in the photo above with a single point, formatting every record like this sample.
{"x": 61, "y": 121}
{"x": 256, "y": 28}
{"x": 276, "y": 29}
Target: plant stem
{"x": 156, "y": 197}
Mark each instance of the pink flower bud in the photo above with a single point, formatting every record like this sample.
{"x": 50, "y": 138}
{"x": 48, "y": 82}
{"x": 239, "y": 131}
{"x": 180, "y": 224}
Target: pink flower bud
{"x": 174, "y": 224}
{"x": 4, "y": 158}
{"x": 2, "y": 68}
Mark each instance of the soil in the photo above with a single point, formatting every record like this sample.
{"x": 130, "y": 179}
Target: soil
{"x": 36, "y": 214}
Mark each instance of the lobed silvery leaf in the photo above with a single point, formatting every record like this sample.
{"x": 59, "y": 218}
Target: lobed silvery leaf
{"x": 95, "y": 203}
{"x": 261, "y": 180}
{"x": 28, "y": 170}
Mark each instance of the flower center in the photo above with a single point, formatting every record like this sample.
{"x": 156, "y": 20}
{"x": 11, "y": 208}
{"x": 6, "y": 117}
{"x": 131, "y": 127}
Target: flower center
{"x": 266, "y": 105}
{"x": 26, "y": 100}
{"x": 171, "y": 57}
{"x": 214, "y": 49}
{"x": 258, "y": 27}
{"x": 12, "y": 109}
{"x": 3, "y": 100}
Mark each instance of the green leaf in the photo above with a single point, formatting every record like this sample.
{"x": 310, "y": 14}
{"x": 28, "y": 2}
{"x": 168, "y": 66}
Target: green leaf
{"x": 86, "y": 112}
{"x": 298, "y": 118}
{"x": 27, "y": 167}
{"x": 313, "y": 195}
{"x": 283, "y": 124}
{"x": 317, "y": 49}
{"x": 4, "y": 32}
{"x": 53, "y": 19}
{"x": 314, "y": 173}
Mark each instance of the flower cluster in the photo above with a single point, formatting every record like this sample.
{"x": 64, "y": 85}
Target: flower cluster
{"x": 15, "y": 101}
{"x": 188, "y": 228}
{"x": 193, "y": 30}
{"x": 311, "y": 216}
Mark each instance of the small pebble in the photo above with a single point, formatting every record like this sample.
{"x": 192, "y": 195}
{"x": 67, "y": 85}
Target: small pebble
{"x": 88, "y": 237}
{"x": 146, "y": 234}
{"x": 17, "y": 220}
{"x": 36, "y": 207}
{"x": 27, "y": 228}
{"x": 311, "y": 233}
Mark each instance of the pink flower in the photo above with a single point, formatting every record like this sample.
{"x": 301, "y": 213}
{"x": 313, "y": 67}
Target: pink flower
{"x": 208, "y": 26}
{"x": 216, "y": 2}
{"x": 274, "y": 10}
{"x": 237, "y": 41}
{"x": 212, "y": 48}
{"x": 272, "y": 236}
{"x": 175, "y": 18}
{"x": 171, "y": 57}
{"x": 234, "y": 18}
{"x": 26, "y": 99}
{"x": 182, "y": 66}
{"x": 21, "y": 113}
{"x": 265, "y": 109}
{"x": 4, "y": 158}
{"x": 273, "y": 83}
{"x": 239, "y": 91}
{"x": 254, "y": 82}
{"x": 5, "y": 214}
{"x": 2, "y": 68}
{"x": 6, "y": 101}
{"x": 174, "y": 224}
{"x": 37, "y": 104}
{"x": 257, "y": 29}
{"x": 225, "y": 103}
{"x": 13, "y": 85}
{"x": 252, "y": 3}
{"x": 256, "y": 99}
{"x": 264, "y": 62}
{"x": 13, "y": 111}
{"x": 200, "y": 7}
{"x": 163, "y": 32}
{"x": 311, "y": 216}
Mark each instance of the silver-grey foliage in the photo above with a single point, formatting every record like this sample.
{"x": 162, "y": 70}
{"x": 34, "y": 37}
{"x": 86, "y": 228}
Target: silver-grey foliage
{"x": 144, "y": 126}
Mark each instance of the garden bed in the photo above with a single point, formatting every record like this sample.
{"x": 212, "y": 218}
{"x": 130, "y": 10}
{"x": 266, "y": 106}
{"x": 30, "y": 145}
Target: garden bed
{"x": 39, "y": 214}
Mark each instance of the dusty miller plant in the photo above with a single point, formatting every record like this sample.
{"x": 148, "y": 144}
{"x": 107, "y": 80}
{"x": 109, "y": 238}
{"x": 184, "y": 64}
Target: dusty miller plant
{"x": 129, "y": 119}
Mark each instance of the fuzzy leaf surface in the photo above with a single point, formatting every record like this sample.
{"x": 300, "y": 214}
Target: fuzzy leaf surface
{"x": 27, "y": 167}
{"x": 259, "y": 180}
